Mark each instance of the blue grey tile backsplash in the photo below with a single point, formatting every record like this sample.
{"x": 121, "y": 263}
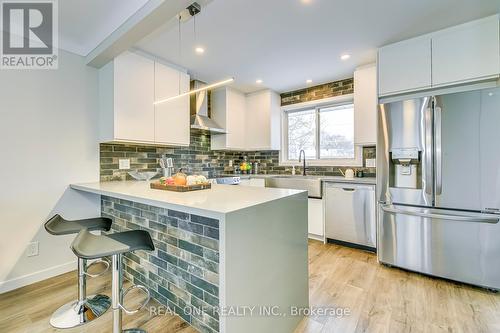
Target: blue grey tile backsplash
{"x": 198, "y": 158}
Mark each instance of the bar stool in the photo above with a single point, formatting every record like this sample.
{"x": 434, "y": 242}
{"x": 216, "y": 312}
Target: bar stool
{"x": 89, "y": 246}
{"x": 85, "y": 308}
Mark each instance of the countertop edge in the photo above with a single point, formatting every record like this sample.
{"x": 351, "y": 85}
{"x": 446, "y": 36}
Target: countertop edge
{"x": 165, "y": 204}
{"x": 151, "y": 202}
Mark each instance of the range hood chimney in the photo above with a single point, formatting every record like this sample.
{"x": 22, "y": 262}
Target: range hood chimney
{"x": 199, "y": 110}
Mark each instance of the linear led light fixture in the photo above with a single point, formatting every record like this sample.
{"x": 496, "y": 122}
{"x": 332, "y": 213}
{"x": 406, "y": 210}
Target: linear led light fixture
{"x": 210, "y": 86}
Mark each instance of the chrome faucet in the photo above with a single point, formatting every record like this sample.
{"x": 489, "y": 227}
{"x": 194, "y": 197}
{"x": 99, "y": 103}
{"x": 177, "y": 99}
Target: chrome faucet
{"x": 302, "y": 152}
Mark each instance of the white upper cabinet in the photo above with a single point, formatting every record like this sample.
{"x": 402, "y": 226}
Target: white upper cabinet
{"x": 129, "y": 85}
{"x": 457, "y": 55}
{"x": 228, "y": 110}
{"x": 172, "y": 119}
{"x": 252, "y": 121}
{"x": 127, "y": 96}
{"x": 263, "y": 118}
{"x": 365, "y": 105}
{"x": 467, "y": 52}
{"x": 405, "y": 66}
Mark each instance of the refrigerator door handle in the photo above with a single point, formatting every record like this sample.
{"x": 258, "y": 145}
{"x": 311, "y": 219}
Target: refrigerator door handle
{"x": 429, "y": 213}
{"x": 437, "y": 150}
{"x": 428, "y": 151}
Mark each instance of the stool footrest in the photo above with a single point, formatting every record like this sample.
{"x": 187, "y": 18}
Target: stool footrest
{"x": 135, "y": 286}
{"x": 98, "y": 261}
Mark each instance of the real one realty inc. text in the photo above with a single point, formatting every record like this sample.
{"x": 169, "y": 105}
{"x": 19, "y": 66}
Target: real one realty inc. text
{"x": 261, "y": 311}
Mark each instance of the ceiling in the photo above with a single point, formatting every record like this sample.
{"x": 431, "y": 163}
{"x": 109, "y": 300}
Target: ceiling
{"x": 83, "y": 24}
{"x": 285, "y": 42}
{"x": 282, "y": 42}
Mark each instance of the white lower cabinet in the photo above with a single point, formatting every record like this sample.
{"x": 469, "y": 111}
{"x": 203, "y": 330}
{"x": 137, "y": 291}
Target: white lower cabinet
{"x": 315, "y": 216}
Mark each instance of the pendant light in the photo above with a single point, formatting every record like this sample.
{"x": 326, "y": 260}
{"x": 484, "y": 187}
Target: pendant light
{"x": 197, "y": 48}
{"x": 207, "y": 87}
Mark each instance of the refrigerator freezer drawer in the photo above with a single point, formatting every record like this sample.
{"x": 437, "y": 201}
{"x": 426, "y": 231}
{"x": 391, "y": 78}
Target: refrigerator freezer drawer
{"x": 350, "y": 213}
{"x": 456, "y": 245}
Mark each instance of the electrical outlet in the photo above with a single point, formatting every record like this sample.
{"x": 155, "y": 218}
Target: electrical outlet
{"x": 124, "y": 163}
{"x": 32, "y": 249}
{"x": 371, "y": 163}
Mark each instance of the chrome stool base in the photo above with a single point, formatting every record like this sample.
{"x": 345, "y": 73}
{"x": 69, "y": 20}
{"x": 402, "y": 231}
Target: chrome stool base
{"x": 89, "y": 246}
{"x": 77, "y": 313}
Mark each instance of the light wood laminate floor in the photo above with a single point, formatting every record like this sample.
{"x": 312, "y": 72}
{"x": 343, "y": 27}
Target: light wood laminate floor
{"x": 383, "y": 299}
{"x": 380, "y": 299}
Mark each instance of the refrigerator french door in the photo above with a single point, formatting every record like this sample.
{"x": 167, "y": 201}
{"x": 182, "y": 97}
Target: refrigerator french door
{"x": 438, "y": 172}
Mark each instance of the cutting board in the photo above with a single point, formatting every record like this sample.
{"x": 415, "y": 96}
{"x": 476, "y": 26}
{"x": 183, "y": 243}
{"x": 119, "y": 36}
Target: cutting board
{"x": 180, "y": 188}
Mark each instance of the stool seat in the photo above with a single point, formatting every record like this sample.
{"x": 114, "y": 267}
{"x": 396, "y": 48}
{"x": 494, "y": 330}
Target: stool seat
{"x": 59, "y": 226}
{"x": 89, "y": 246}
{"x": 85, "y": 308}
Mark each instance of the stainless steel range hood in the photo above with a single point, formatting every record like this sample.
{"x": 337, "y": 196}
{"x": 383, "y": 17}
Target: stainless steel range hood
{"x": 199, "y": 110}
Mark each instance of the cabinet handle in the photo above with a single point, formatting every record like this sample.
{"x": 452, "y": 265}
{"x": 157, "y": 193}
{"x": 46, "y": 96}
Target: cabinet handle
{"x": 348, "y": 189}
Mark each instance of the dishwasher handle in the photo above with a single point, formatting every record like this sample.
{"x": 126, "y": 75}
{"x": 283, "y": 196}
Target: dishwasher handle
{"x": 349, "y": 187}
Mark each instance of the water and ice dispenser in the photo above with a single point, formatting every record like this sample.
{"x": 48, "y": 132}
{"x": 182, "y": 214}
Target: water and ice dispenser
{"x": 405, "y": 168}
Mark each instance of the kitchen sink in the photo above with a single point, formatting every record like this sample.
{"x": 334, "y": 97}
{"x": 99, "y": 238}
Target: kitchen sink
{"x": 312, "y": 184}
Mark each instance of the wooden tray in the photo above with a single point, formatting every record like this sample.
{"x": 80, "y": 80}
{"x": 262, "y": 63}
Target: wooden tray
{"x": 180, "y": 188}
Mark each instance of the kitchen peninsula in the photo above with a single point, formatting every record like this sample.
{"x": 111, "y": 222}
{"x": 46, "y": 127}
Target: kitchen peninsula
{"x": 218, "y": 250}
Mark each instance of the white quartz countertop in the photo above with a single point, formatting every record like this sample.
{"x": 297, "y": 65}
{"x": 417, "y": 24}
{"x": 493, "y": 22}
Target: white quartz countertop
{"x": 333, "y": 179}
{"x": 220, "y": 199}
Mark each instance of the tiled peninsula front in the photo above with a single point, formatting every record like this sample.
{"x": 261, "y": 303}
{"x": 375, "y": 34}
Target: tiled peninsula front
{"x": 183, "y": 271}
{"x": 212, "y": 247}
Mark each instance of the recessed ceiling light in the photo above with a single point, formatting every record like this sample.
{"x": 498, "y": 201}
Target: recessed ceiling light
{"x": 259, "y": 81}
{"x": 345, "y": 56}
{"x": 306, "y": 2}
{"x": 309, "y": 81}
{"x": 199, "y": 50}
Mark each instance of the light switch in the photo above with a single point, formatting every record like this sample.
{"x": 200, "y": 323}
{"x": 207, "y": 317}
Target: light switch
{"x": 371, "y": 163}
{"x": 124, "y": 164}
{"x": 32, "y": 249}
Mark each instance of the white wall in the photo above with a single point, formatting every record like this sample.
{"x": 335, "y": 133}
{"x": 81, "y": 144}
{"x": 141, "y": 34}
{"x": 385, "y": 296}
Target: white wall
{"x": 48, "y": 139}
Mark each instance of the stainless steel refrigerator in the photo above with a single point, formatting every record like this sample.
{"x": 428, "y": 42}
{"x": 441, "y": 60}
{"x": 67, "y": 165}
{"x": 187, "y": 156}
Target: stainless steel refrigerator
{"x": 438, "y": 177}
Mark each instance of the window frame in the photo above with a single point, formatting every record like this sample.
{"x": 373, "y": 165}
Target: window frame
{"x": 317, "y": 105}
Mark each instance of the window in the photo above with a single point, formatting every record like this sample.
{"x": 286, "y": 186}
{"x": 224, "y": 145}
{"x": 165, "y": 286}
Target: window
{"x": 336, "y": 135}
{"x": 302, "y": 134}
{"x": 325, "y": 133}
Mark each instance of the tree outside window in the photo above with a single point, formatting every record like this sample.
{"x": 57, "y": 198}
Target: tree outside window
{"x": 323, "y": 133}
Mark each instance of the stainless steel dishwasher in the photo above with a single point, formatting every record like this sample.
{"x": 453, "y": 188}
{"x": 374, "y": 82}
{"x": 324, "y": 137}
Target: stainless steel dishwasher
{"x": 350, "y": 214}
